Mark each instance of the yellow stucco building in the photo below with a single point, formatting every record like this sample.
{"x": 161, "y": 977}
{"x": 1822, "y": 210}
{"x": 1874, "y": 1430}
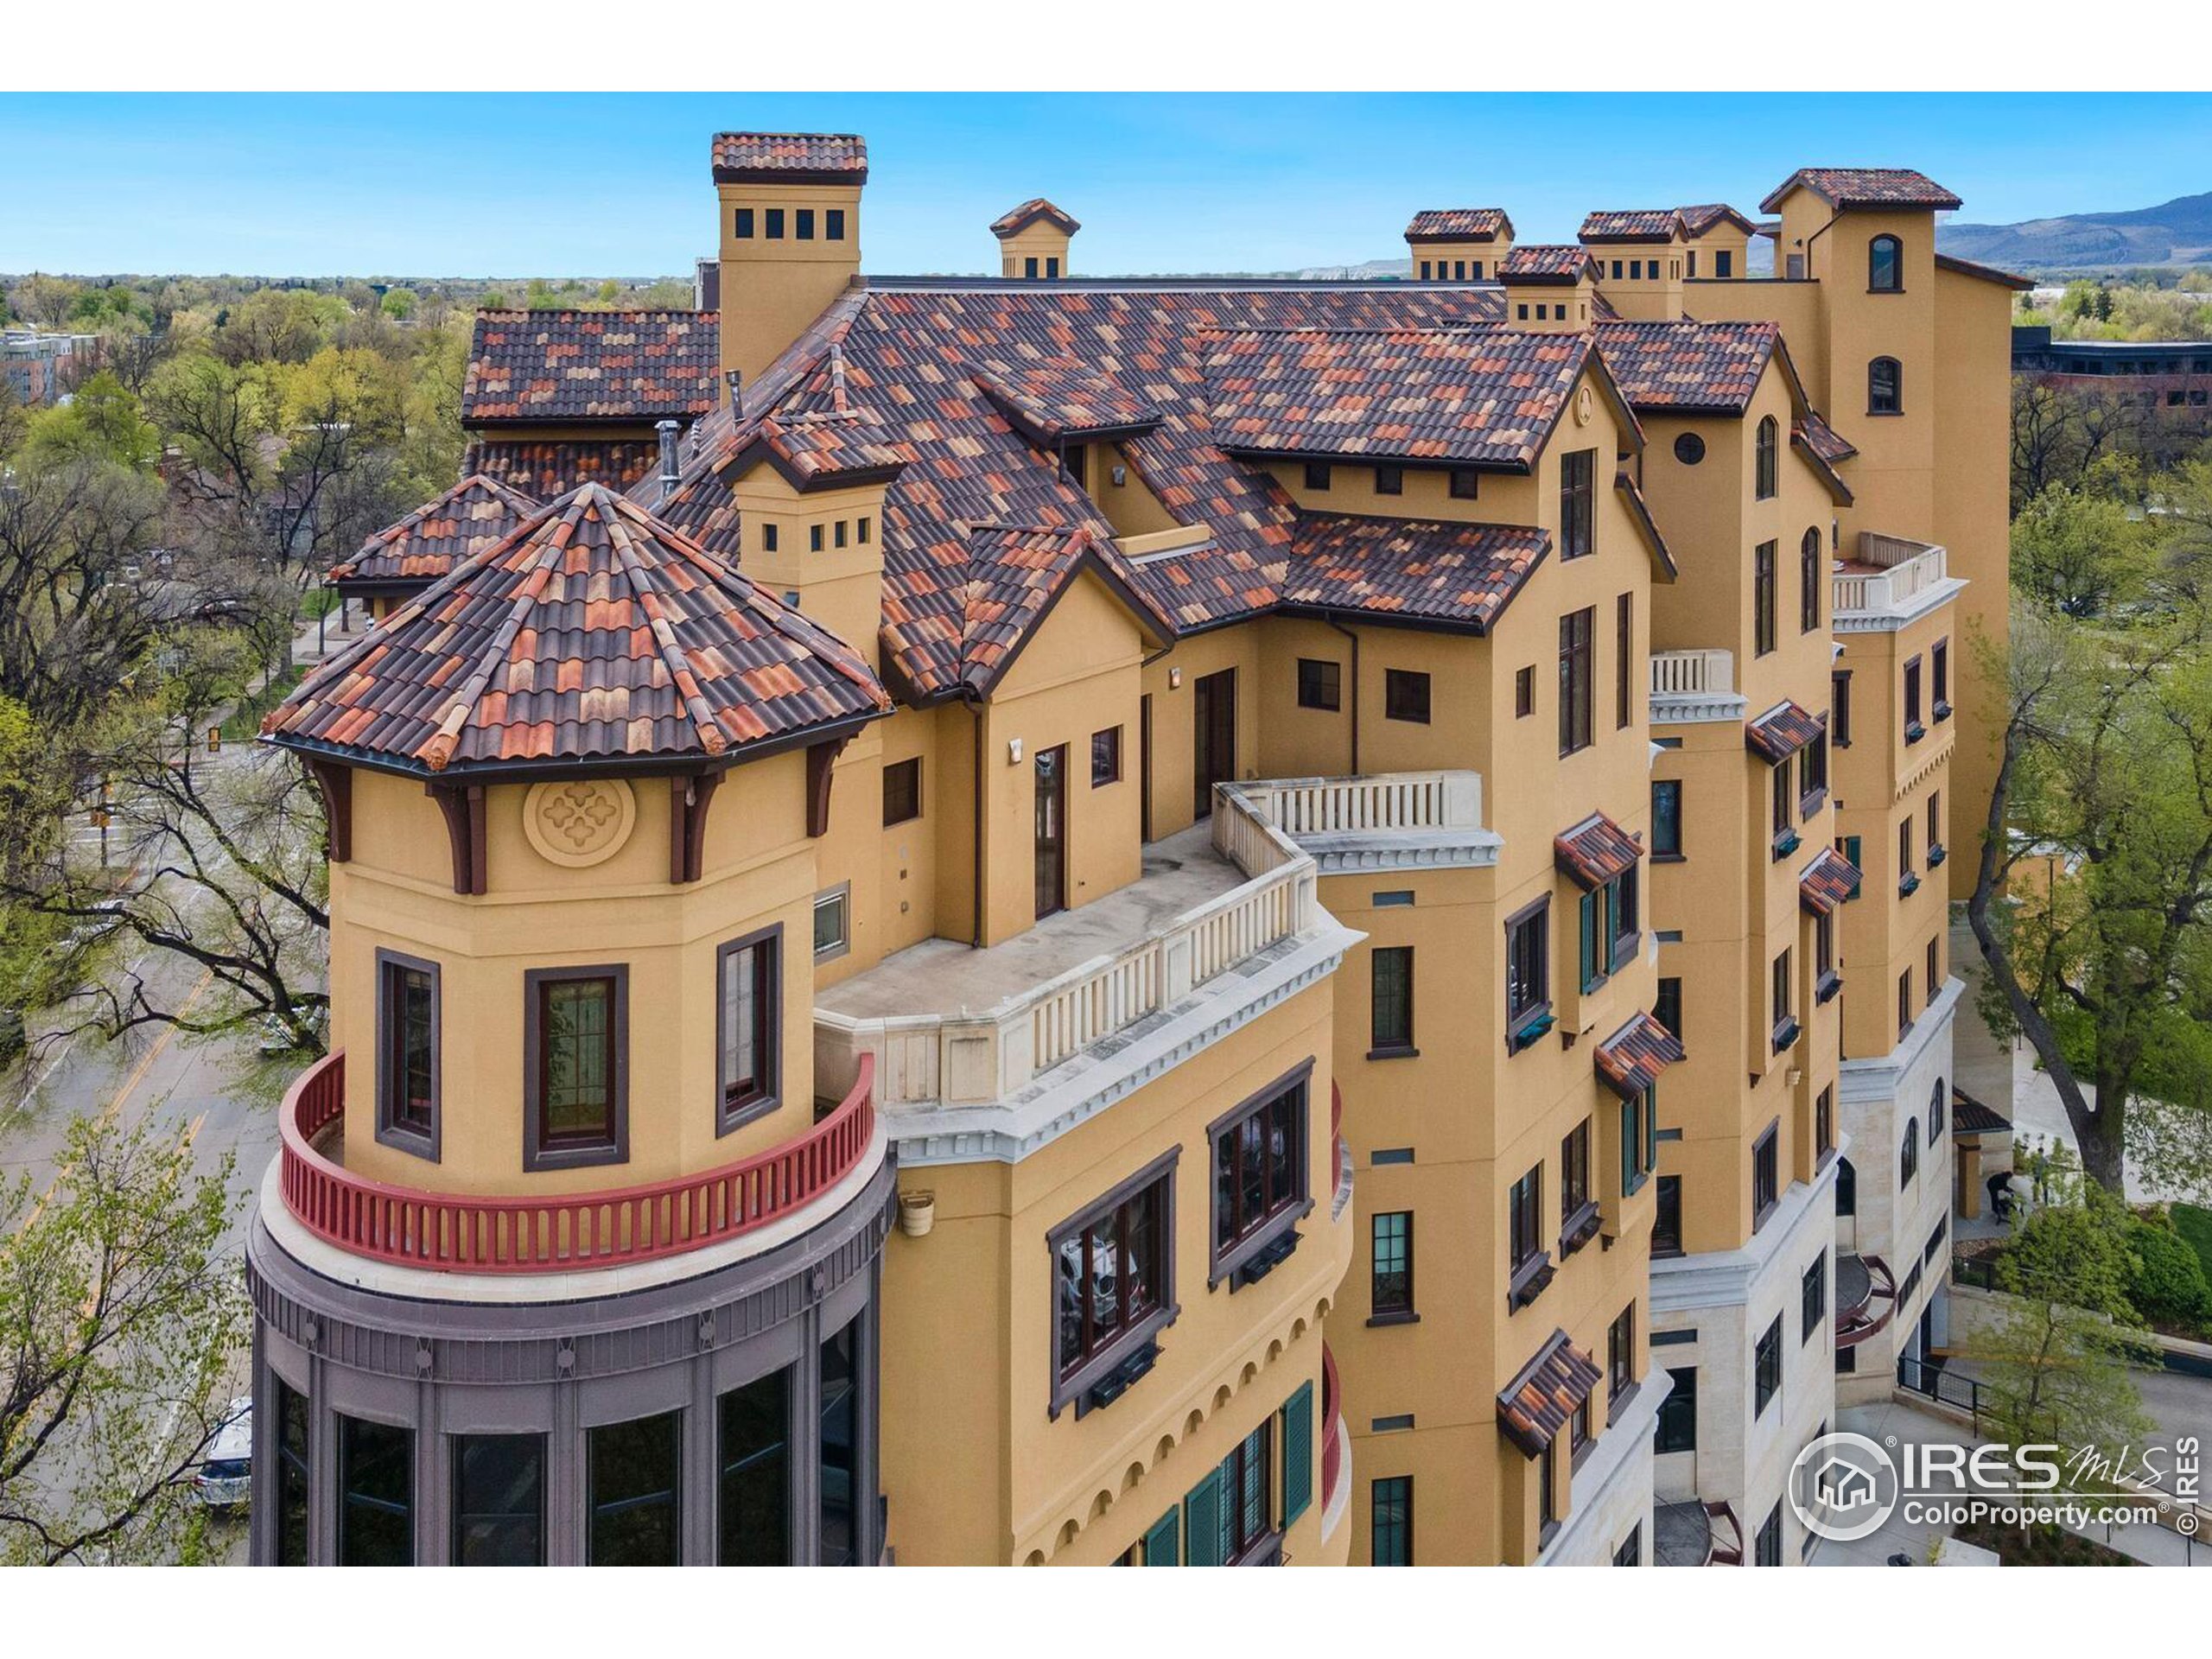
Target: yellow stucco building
{"x": 1175, "y": 922}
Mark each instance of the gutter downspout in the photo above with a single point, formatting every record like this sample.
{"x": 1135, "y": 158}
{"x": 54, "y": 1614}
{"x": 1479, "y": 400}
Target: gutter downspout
{"x": 1330, "y": 618}
{"x": 974, "y": 699}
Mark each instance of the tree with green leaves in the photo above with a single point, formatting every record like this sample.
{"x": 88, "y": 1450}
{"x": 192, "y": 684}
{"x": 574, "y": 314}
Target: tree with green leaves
{"x": 121, "y": 1320}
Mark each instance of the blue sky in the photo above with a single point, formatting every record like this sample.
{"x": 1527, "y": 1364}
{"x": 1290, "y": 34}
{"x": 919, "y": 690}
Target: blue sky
{"x": 616, "y": 185}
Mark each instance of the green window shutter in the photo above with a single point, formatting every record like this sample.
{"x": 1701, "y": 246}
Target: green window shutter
{"x": 1590, "y": 946}
{"x": 1627, "y": 1146}
{"x": 1297, "y": 1453}
{"x": 1202, "y": 1538}
{"x": 1651, "y": 1127}
{"x": 1160, "y": 1546}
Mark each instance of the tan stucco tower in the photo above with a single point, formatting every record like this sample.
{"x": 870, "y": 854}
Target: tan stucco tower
{"x": 789, "y": 235}
{"x": 1033, "y": 240}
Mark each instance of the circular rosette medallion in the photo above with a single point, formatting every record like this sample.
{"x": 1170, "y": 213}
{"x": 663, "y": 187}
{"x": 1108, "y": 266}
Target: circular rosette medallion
{"x": 582, "y": 822}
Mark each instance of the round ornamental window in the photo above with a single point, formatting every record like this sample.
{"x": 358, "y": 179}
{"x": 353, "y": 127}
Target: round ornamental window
{"x": 1689, "y": 448}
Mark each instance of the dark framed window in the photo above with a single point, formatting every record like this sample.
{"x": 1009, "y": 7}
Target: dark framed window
{"x": 1667, "y": 1007}
{"x": 1847, "y": 1188}
{"x": 409, "y": 1043}
{"x": 1809, "y": 582}
{"x": 1390, "y": 1514}
{"x": 1905, "y": 1003}
{"x": 774, "y": 217}
{"x": 833, "y": 224}
{"x": 840, "y": 528}
{"x": 1321, "y": 683}
{"x": 1247, "y": 1495}
{"x": 1639, "y": 1128}
{"x": 749, "y": 1027}
{"x": 1666, "y": 818}
{"x": 1909, "y": 1153}
{"x": 633, "y": 1481}
{"x": 863, "y": 527}
{"x": 1524, "y": 693}
{"x": 376, "y": 1494}
{"x": 1935, "y": 821}
{"x": 1466, "y": 483}
{"x": 1784, "y": 1013}
{"x": 902, "y": 792}
{"x": 744, "y": 224}
{"x": 576, "y": 1064}
{"x": 1029, "y": 266}
{"x": 1112, "y": 1278}
{"x": 839, "y": 1419}
{"x": 803, "y": 224}
{"x": 1813, "y": 775}
{"x": 1547, "y": 1471}
{"x": 1623, "y": 659}
{"x": 1677, "y": 1429}
{"x": 1389, "y": 480}
{"x": 1689, "y": 448}
{"x": 1575, "y": 1192}
{"x": 1578, "y": 496}
{"x": 1317, "y": 474}
{"x": 1260, "y": 1188}
{"x": 1885, "y": 264}
{"x": 1768, "y": 1551}
{"x": 1620, "y": 1358}
{"x": 1391, "y": 1026}
{"x": 1824, "y": 953}
{"x": 1405, "y": 695}
{"x": 1914, "y": 731}
{"x": 754, "y": 1478}
{"x": 1766, "y": 1367}
{"x": 294, "y": 1477}
{"x": 1904, "y": 848}
{"x": 1724, "y": 263}
{"x": 1767, "y": 460}
{"x": 1610, "y": 928}
{"x": 814, "y": 535}
{"x": 1527, "y": 973}
{"x": 1390, "y": 1280}
{"x": 1936, "y": 1112}
{"x": 1762, "y": 598}
{"x": 1667, "y": 1221}
{"x": 1840, "y": 706}
{"x": 1939, "y": 671}
{"x": 1935, "y": 979}
{"x": 1575, "y": 675}
{"x": 1106, "y": 757}
{"x": 833, "y": 934}
{"x": 498, "y": 1500}
{"x": 1525, "y": 1219}
{"x": 1884, "y": 387}
{"x": 1824, "y": 1123}
{"x": 1766, "y": 1174}
{"x": 1813, "y": 1298}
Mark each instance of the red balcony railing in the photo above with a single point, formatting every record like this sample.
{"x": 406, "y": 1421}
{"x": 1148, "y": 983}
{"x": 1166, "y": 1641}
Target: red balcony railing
{"x": 1332, "y": 1441}
{"x": 454, "y": 1233}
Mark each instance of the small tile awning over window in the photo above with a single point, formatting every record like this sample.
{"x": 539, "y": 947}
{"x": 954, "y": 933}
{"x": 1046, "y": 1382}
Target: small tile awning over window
{"x": 1781, "y": 732}
{"x": 1828, "y": 881}
{"x": 1970, "y": 1116}
{"x": 1539, "y": 1402}
{"x": 1595, "y": 851}
{"x": 1631, "y": 1059}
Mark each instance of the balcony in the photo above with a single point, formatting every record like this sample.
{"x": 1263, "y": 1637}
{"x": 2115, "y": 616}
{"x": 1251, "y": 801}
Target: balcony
{"x": 1694, "y": 685}
{"x": 1892, "y": 580}
{"x": 450, "y": 1232}
{"x": 1399, "y": 820}
{"x": 1865, "y": 1298}
{"x": 1696, "y": 1534}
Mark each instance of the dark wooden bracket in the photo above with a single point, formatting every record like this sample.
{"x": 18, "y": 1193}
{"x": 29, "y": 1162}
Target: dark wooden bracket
{"x": 687, "y": 823}
{"x": 335, "y": 783}
{"x": 463, "y": 806}
{"x": 821, "y": 762}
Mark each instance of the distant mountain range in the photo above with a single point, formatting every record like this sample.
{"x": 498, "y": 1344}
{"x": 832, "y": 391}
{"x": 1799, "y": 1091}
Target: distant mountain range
{"x": 2176, "y": 233}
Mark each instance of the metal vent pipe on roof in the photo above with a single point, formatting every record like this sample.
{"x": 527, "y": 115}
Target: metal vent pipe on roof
{"x": 669, "y": 471}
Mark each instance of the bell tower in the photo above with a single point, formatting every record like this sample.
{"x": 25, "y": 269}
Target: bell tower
{"x": 1033, "y": 240}
{"x": 1458, "y": 244}
{"x": 1549, "y": 290}
{"x": 790, "y": 240}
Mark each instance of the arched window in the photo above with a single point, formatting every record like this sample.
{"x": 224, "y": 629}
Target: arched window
{"x": 1909, "y": 1153}
{"x": 1769, "y": 458}
{"x": 1847, "y": 1188}
{"x": 1936, "y": 1112}
{"x": 1808, "y": 577}
{"x": 1884, "y": 386}
{"x": 1885, "y": 264}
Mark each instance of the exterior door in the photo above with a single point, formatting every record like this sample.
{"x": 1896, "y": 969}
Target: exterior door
{"x": 1214, "y": 756}
{"x": 1051, "y": 831}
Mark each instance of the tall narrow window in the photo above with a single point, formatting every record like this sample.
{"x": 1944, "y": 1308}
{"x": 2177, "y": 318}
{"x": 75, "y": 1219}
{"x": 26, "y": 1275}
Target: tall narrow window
{"x": 748, "y": 1025}
{"x": 1392, "y": 1023}
{"x": 1624, "y": 658}
{"x": 1666, "y": 817}
{"x": 1677, "y": 1429}
{"x": 633, "y": 1502}
{"x": 576, "y": 1066}
{"x": 1259, "y": 1167}
{"x": 1840, "y": 705}
{"x": 1767, "y": 460}
{"x": 1914, "y": 730}
{"x": 407, "y": 1058}
{"x": 1884, "y": 387}
{"x": 376, "y": 1494}
{"x": 1766, "y": 1367}
{"x": 1905, "y": 1003}
{"x": 498, "y": 1500}
{"x": 1620, "y": 1358}
{"x": 902, "y": 792}
{"x": 1939, "y": 671}
{"x": 840, "y": 1424}
{"x": 833, "y": 224}
{"x": 1824, "y": 1123}
{"x": 1884, "y": 265}
{"x": 1113, "y": 1279}
{"x": 1809, "y": 582}
{"x": 1247, "y": 1495}
{"x": 1667, "y": 1217}
{"x": 1574, "y": 1194}
{"x": 1391, "y": 1522}
{"x": 1766, "y": 1174}
{"x": 1527, "y": 975}
{"x": 1574, "y": 679}
{"x": 1390, "y": 1293}
{"x": 1666, "y": 1009}
{"x": 295, "y": 1484}
{"x": 1762, "y": 582}
{"x": 1578, "y": 489}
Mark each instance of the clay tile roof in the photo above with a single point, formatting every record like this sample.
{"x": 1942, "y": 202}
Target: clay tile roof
{"x": 1986, "y": 273}
{"x": 790, "y": 158}
{"x": 1685, "y": 367}
{"x": 1631, "y": 1059}
{"x": 592, "y": 633}
{"x": 1016, "y": 219}
{"x": 1548, "y": 263}
{"x": 1863, "y": 186}
{"x": 1632, "y": 225}
{"x": 1551, "y": 1388}
{"x": 1595, "y": 851}
{"x": 538, "y": 366}
{"x": 1827, "y": 882}
{"x": 1474, "y": 397}
{"x": 1782, "y": 731}
{"x": 1822, "y": 439}
{"x": 1702, "y": 217}
{"x": 428, "y": 542}
{"x": 545, "y": 468}
{"x": 1970, "y": 1116}
{"x": 1419, "y": 569}
{"x": 1057, "y": 398}
{"x": 1459, "y": 225}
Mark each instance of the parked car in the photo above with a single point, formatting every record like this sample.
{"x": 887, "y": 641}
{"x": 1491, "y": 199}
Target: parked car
{"x": 225, "y": 1474}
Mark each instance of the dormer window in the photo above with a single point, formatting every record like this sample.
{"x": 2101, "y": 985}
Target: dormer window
{"x": 1885, "y": 265}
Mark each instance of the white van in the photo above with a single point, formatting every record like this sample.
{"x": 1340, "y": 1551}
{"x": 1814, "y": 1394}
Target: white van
{"x": 225, "y": 1474}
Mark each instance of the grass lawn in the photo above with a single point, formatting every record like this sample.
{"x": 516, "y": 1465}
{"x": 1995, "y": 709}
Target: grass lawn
{"x": 2194, "y": 1222}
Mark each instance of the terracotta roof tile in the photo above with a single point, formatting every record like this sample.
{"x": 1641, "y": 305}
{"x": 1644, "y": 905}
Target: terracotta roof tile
{"x": 1986, "y": 273}
{"x": 592, "y": 633}
{"x": 1595, "y": 851}
{"x": 1548, "y": 263}
{"x": 428, "y": 542}
{"x": 545, "y": 468}
{"x": 1687, "y": 367}
{"x": 1970, "y": 1116}
{"x": 1863, "y": 186}
{"x": 1473, "y": 397}
{"x": 1551, "y": 1388}
{"x": 1459, "y": 225}
{"x": 1016, "y": 219}
{"x": 790, "y": 158}
{"x": 537, "y": 367}
{"x": 1705, "y": 215}
{"x": 1822, "y": 439}
{"x": 1053, "y": 398}
{"x": 1424, "y": 570}
{"x": 1826, "y": 882}
{"x": 1782, "y": 731}
{"x": 1631, "y": 1059}
{"x": 1632, "y": 225}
